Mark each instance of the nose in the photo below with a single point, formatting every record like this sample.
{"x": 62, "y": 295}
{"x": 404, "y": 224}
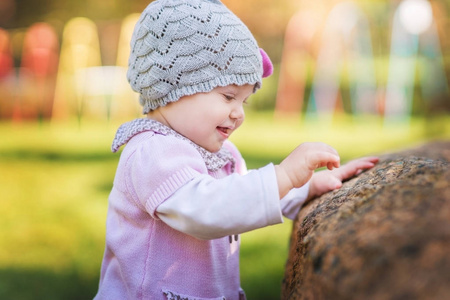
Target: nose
{"x": 237, "y": 112}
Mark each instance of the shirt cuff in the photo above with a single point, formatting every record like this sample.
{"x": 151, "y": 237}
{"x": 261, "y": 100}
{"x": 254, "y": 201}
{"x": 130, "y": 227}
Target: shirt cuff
{"x": 293, "y": 201}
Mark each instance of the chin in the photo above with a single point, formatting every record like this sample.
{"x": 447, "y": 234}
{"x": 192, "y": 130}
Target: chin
{"x": 214, "y": 149}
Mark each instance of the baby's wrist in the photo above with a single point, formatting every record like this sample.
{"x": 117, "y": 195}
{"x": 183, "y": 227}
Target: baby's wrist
{"x": 312, "y": 192}
{"x": 283, "y": 180}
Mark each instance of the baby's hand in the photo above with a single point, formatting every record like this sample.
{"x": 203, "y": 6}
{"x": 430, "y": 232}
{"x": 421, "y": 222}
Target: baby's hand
{"x": 325, "y": 181}
{"x": 298, "y": 167}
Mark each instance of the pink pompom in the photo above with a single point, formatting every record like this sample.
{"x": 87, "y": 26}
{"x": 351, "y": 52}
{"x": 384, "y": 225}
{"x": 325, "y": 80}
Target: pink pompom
{"x": 267, "y": 64}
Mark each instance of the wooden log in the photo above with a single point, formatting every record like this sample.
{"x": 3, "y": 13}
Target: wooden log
{"x": 384, "y": 235}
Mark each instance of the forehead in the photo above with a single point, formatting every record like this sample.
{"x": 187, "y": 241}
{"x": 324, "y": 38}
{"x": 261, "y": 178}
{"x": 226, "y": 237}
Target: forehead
{"x": 236, "y": 89}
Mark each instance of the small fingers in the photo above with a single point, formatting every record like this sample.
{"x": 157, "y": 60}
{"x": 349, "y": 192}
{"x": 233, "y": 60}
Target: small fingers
{"x": 326, "y": 159}
{"x": 366, "y": 162}
{"x": 332, "y": 165}
{"x": 337, "y": 164}
{"x": 337, "y": 184}
{"x": 317, "y": 155}
{"x": 373, "y": 159}
{"x": 319, "y": 146}
{"x": 332, "y": 150}
{"x": 329, "y": 149}
{"x": 356, "y": 167}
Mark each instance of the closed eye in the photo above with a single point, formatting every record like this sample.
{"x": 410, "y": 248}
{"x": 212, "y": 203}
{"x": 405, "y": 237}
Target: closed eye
{"x": 228, "y": 97}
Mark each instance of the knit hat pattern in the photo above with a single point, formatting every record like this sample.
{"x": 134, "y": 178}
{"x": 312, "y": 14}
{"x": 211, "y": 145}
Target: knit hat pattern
{"x": 184, "y": 47}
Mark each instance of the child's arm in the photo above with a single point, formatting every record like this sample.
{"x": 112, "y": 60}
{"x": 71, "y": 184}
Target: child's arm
{"x": 243, "y": 203}
{"x": 209, "y": 208}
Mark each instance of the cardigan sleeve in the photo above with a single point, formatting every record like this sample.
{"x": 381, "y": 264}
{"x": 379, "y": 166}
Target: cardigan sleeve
{"x": 209, "y": 208}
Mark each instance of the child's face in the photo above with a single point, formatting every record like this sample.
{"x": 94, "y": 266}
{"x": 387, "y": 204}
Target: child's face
{"x": 208, "y": 119}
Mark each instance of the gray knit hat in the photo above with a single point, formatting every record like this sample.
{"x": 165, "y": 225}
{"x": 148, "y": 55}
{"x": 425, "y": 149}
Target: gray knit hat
{"x": 183, "y": 47}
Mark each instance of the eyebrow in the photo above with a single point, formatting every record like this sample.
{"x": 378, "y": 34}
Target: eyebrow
{"x": 228, "y": 88}
{"x": 232, "y": 89}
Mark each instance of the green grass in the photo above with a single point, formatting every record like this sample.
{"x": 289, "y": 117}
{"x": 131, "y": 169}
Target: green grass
{"x": 55, "y": 180}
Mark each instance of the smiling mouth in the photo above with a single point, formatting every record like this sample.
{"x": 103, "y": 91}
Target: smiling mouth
{"x": 225, "y": 131}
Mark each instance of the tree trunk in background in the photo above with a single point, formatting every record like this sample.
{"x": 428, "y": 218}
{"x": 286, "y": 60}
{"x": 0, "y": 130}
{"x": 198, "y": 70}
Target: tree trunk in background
{"x": 384, "y": 235}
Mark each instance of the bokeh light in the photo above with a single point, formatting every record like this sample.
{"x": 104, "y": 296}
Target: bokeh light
{"x": 415, "y": 15}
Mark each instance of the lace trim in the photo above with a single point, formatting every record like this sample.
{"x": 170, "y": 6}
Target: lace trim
{"x": 174, "y": 296}
{"x": 213, "y": 161}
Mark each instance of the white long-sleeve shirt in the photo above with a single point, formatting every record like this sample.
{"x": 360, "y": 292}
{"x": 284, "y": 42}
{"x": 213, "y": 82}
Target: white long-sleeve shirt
{"x": 191, "y": 210}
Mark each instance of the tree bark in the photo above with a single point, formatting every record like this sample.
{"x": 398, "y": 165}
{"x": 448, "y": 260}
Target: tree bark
{"x": 384, "y": 235}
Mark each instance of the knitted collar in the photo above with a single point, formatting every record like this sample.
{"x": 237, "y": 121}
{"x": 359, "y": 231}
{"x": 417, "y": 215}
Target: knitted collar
{"x": 213, "y": 161}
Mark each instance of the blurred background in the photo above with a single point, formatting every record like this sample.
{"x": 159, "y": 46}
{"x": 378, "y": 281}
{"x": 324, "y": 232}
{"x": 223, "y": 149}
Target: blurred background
{"x": 367, "y": 77}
